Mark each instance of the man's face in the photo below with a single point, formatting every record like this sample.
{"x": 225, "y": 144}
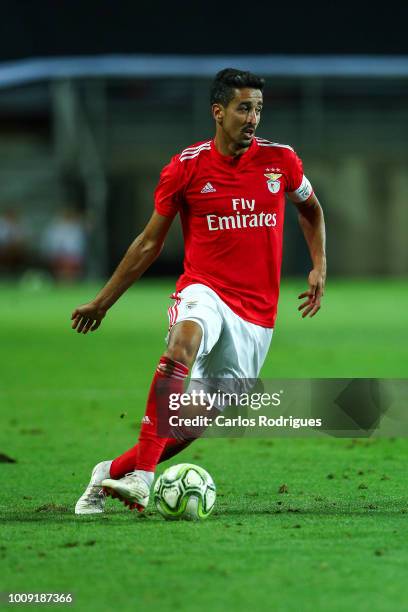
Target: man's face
{"x": 240, "y": 118}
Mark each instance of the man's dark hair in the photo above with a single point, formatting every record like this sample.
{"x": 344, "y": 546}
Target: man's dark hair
{"x": 229, "y": 79}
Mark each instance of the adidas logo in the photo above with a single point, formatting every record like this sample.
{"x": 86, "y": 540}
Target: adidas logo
{"x": 207, "y": 188}
{"x": 146, "y": 420}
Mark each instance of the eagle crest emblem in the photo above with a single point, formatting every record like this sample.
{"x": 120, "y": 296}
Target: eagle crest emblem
{"x": 273, "y": 181}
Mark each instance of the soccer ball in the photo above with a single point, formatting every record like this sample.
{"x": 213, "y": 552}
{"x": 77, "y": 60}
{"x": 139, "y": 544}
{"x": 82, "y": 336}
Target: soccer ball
{"x": 184, "y": 491}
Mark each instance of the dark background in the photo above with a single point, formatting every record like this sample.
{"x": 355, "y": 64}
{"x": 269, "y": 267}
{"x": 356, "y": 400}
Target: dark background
{"x": 79, "y": 28}
{"x": 95, "y": 143}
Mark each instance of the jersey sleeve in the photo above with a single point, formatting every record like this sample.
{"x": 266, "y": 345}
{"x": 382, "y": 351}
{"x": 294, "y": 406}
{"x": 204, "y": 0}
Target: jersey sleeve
{"x": 168, "y": 193}
{"x": 298, "y": 187}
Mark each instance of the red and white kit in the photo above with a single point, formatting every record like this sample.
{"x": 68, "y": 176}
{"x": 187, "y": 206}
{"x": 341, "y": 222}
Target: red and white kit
{"x": 232, "y": 213}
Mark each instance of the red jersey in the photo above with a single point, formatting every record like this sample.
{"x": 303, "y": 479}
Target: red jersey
{"x": 232, "y": 212}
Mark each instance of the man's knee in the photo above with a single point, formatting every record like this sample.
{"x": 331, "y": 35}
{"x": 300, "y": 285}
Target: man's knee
{"x": 184, "y": 342}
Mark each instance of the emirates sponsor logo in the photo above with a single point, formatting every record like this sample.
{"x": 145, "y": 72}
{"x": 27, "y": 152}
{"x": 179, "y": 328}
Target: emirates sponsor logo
{"x": 244, "y": 216}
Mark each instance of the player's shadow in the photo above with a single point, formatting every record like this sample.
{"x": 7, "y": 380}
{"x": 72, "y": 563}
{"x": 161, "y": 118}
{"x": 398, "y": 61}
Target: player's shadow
{"x": 107, "y": 519}
{"x": 357, "y": 510}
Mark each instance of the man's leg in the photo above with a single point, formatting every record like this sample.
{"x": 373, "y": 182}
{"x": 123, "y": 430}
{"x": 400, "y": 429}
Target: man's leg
{"x": 173, "y": 368}
{"x": 185, "y": 339}
{"x": 125, "y": 463}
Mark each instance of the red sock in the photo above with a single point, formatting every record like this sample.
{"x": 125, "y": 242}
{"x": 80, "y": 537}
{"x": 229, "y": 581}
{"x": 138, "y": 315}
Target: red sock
{"x": 169, "y": 378}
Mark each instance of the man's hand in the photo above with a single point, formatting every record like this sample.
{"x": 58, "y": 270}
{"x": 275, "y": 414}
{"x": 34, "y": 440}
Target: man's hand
{"x": 314, "y": 295}
{"x": 139, "y": 256}
{"x": 311, "y": 221}
{"x": 87, "y": 317}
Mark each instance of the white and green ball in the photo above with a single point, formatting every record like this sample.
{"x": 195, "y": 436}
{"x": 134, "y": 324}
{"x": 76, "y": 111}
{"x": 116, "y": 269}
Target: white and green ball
{"x": 185, "y": 491}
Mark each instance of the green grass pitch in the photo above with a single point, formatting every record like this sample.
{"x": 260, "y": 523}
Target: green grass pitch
{"x": 336, "y": 540}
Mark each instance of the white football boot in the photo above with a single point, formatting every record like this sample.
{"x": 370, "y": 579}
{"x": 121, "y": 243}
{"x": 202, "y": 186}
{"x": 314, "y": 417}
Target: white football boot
{"x": 92, "y": 500}
{"x": 132, "y": 490}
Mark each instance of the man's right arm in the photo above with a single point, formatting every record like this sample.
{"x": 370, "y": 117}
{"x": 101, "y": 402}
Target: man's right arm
{"x": 139, "y": 256}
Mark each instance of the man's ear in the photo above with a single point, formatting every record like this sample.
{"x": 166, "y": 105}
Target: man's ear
{"x": 218, "y": 113}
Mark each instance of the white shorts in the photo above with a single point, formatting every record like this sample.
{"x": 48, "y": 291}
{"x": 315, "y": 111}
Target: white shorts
{"x": 230, "y": 347}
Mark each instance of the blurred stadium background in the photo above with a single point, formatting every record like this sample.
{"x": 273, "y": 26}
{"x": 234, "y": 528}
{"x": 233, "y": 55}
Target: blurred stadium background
{"x": 85, "y": 133}
{"x": 94, "y": 99}
{"x": 96, "y": 144}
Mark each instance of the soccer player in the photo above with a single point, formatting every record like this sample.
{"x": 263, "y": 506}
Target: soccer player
{"x": 230, "y": 194}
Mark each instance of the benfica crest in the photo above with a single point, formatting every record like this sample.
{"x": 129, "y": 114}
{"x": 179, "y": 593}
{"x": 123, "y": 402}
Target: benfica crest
{"x": 273, "y": 182}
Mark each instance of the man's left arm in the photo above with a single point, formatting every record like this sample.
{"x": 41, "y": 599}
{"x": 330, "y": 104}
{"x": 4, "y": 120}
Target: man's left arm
{"x": 311, "y": 221}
